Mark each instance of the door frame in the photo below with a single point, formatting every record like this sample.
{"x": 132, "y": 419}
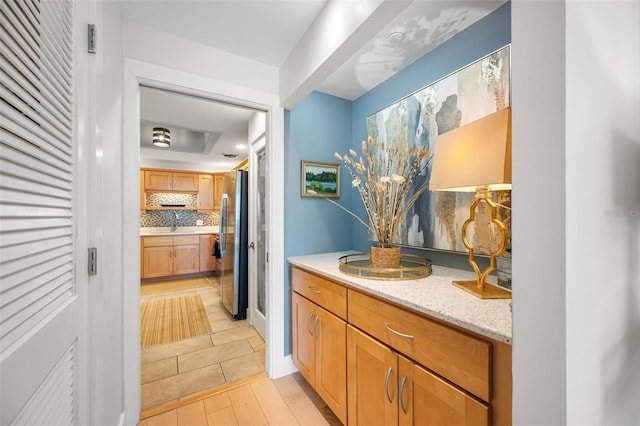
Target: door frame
{"x": 255, "y": 146}
{"x": 137, "y": 73}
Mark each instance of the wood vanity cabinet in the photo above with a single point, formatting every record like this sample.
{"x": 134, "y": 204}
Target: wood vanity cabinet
{"x": 319, "y": 337}
{"x": 386, "y": 388}
{"x": 403, "y": 367}
{"x": 163, "y": 180}
{"x": 164, "y": 255}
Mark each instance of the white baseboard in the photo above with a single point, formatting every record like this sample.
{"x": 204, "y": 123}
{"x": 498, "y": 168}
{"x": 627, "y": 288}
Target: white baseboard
{"x": 283, "y": 367}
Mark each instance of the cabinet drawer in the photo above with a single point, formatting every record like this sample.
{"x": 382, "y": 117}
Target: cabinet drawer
{"x": 181, "y": 240}
{"x": 325, "y": 293}
{"x": 459, "y": 357}
{"x": 157, "y": 241}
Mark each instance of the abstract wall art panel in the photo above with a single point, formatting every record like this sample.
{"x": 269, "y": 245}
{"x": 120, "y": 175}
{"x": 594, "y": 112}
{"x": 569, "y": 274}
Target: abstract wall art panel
{"x": 477, "y": 90}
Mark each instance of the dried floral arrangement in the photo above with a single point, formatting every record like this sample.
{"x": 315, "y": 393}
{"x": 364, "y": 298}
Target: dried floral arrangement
{"x": 383, "y": 182}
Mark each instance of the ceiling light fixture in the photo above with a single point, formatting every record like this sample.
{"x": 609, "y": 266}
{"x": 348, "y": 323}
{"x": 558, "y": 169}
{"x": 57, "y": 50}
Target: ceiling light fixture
{"x": 161, "y": 137}
{"x": 395, "y": 37}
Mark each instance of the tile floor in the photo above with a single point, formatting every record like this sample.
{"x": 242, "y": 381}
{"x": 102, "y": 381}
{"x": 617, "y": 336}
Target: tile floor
{"x": 282, "y": 402}
{"x": 177, "y": 370}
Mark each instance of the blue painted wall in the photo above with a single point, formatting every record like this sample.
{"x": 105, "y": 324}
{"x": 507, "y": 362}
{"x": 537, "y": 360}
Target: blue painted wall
{"x": 322, "y": 124}
{"x": 314, "y": 130}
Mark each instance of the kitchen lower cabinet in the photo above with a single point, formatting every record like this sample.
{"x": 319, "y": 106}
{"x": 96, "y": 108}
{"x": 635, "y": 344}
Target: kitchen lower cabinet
{"x": 186, "y": 258}
{"x": 207, "y": 260}
{"x": 157, "y": 261}
{"x": 164, "y": 256}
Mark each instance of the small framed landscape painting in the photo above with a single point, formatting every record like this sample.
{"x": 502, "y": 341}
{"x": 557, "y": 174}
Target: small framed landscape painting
{"x": 320, "y": 179}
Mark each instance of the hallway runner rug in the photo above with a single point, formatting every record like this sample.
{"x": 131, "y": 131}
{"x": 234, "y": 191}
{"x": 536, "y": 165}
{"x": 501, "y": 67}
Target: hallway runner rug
{"x": 169, "y": 320}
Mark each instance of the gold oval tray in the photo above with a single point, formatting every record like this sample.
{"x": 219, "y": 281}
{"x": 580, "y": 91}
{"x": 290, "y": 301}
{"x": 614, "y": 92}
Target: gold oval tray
{"x": 411, "y": 267}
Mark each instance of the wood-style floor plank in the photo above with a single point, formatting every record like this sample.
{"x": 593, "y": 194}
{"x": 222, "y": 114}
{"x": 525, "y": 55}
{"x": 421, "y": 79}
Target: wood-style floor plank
{"x": 304, "y": 410}
{"x": 223, "y": 417}
{"x": 273, "y": 405}
{"x": 192, "y": 414}
{"x": 261, "y": 401}
{"x": 170, "y": 418}
{"x": 216, "y": 403}
{"x": 246, "y": 406}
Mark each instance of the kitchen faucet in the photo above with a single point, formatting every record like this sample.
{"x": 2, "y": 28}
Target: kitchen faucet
{"x": 175, "y": 222}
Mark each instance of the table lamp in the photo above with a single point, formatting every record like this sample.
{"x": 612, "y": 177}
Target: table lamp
{"x": 477, "y": 157}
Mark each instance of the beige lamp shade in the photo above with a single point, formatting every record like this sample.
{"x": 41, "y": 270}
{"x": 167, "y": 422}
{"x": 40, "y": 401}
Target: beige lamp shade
{"x": 476, "y": 154}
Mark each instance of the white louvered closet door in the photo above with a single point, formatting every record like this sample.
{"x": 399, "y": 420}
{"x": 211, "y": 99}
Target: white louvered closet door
{"x": 40, "y": 306}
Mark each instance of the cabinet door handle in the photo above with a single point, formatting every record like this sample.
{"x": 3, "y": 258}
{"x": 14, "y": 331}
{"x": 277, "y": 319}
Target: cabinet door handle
{"x": 315, "y": 290}
{"x": 315, "y": 322}
{"x": 404, "y": 382}
{"x": 406, "y": 336}
{"x": 386, "y": 384}
{"x": 309, "y": 324}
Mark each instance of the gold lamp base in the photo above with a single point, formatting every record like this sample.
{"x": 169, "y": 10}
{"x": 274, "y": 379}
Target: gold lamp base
{"x": 486, "y": 291}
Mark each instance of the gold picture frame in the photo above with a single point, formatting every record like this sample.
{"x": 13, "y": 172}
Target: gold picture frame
{"x": 319, "y": 179}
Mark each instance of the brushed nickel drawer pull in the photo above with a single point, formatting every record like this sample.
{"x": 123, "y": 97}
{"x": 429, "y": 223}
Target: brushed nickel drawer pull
{"x": 404, "y": 382}
{"x": 314, "y": 327}
{"x": 406, "y": 336}
{"x": 309, "y": 323}
{"x": 386, "y": 384}
{"x": 315, "y": 290}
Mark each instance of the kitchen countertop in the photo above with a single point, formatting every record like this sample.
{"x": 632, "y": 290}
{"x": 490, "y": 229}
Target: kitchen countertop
{"x": 180, "y": 230}
{"x": 433, "y": 295}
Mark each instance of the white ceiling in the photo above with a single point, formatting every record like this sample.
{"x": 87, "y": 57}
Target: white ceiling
{"x": 268, "y": 31}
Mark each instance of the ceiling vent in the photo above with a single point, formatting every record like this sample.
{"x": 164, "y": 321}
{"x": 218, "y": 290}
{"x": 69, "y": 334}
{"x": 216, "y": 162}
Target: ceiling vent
{"x": 229, "y": 155}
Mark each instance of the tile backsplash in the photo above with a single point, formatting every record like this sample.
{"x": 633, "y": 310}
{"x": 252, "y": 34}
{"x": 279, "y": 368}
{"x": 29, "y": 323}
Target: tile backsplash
{"x": 158, "y": 199}
{"x": 162, "y": 218}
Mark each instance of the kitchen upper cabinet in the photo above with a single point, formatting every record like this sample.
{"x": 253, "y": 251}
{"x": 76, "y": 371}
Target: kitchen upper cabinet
{"x": 218, "y": 189}
{"x": 162, "y": 180}
{"x": 205, "y": 192}
{"x": 185, "y": 182}
{"x": 143, "y": 201}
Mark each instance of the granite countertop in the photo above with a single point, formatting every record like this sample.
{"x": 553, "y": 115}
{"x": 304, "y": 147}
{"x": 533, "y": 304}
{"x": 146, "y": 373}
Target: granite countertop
{"x": 180, "y": 230}
{"x": 433, "y": 295}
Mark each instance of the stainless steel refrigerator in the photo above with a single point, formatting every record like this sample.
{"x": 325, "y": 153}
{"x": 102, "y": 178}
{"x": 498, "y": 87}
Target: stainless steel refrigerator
{"x": 234, "y": 228}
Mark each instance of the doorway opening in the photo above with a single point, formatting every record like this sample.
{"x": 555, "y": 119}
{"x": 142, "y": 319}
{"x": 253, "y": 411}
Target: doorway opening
{"x": 219, "y": 350}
